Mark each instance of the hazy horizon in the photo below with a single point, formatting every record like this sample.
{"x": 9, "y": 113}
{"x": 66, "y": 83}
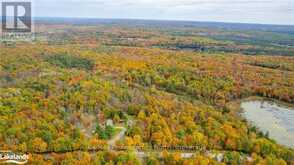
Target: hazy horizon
{"x": 172, "y": 20}
{"x": 237, "y": 11}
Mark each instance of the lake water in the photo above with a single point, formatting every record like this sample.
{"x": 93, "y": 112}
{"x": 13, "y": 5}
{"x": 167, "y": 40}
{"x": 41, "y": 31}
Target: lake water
{"x": 273, "y": 118}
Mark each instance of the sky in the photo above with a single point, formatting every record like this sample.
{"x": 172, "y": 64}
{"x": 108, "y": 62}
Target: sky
{"x": 241, "y": 11}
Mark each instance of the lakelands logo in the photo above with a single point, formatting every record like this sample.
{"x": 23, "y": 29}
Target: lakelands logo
{"x": 8, "y": 157}
{"x": 16, "y": 17}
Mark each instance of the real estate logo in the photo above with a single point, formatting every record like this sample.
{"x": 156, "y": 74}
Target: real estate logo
{"x": 8, "y": 157}
{"x": 16, "y": 20}
{"x": 16, "y": 17}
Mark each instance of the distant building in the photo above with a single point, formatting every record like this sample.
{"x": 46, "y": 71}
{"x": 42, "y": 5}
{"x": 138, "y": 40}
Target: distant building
{"x": 130, "y": 123}
{"x": 109, "y": 123}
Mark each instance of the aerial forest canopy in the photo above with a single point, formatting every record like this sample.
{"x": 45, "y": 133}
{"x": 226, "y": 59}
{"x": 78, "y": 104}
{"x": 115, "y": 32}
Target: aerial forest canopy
{"x": 78, "y": 87}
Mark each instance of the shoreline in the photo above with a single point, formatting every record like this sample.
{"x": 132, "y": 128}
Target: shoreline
{"x": 249, "y": 111}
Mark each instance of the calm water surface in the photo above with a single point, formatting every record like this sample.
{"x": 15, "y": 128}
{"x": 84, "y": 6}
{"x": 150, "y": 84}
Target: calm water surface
{"x": 273, "y": 118}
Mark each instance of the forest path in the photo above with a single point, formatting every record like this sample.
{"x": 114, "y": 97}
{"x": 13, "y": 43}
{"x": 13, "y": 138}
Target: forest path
{"x": 117, "y": 137}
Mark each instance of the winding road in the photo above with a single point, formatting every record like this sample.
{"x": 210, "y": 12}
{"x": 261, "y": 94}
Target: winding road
{"x": 120, "y": 136}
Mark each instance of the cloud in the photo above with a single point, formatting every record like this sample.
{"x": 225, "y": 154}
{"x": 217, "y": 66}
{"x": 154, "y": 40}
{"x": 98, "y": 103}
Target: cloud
{"x": 255, "y": 11}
